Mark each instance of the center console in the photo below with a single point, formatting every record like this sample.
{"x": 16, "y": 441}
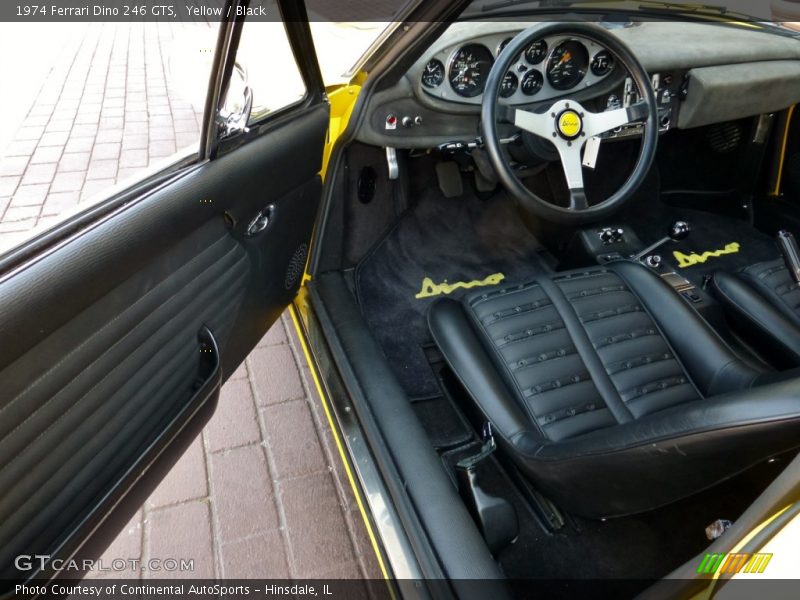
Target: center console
{"x": 607, "y": 243}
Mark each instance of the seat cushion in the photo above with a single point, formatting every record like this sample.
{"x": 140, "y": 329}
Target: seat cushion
{"x": 601, "y": 379}
{"x": 763, "y": 302}
{"x": 537, "y": 354}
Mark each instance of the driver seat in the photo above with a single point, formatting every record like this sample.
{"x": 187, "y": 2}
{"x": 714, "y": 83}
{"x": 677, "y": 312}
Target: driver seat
{"x": 609, "y": 392}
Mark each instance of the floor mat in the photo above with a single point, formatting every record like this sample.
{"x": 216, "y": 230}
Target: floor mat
{"x": 437, "y": 244}
{"x": 716, "y": 243}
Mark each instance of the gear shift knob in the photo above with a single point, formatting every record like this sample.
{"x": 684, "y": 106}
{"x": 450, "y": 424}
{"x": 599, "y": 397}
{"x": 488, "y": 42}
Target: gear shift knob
{"x": 679, "y": 231}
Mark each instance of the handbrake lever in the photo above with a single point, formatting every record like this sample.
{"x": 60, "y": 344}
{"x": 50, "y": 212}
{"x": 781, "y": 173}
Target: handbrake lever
{"x": 790, "y": 251}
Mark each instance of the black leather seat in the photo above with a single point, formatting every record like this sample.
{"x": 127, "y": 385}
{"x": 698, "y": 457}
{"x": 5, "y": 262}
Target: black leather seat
{"x": 610, "y": 392}
{"x": 763, "y": 302}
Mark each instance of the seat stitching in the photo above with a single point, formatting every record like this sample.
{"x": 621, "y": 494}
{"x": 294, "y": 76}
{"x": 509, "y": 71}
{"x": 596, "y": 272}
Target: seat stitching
{"x": 619, "y": 411}
{"x": 494, "y": 349}
{"x": 539, "y": 362}
{"x": 664, "y": 337}
{"x": 662, "y": 384}
{"x": 501, "y": 316}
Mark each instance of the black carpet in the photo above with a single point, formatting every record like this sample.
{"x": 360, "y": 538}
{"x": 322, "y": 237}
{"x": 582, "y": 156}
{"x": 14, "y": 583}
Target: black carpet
{"x": 445, "y": 240}
{"x": 710, "y": 234}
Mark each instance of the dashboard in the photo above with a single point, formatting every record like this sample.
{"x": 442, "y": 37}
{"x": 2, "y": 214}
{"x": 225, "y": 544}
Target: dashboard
{"x": 545, "y": 70}
{"x": 702, "y": 73}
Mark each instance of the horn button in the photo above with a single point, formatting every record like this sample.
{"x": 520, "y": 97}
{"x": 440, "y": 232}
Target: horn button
{"x": 569, "y": 124}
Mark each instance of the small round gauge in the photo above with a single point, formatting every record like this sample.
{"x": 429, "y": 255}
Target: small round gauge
{"x": 567, "y": 65}
{"x": 509, "y": 85}
{"x": 536, "y": 52}
{"x": 602, "y": 63}
{"x": 433, "y": 74}
{"x": 503, "y": 45}
{"x": 532, "y": 83}
{"x": 469, "y": 69}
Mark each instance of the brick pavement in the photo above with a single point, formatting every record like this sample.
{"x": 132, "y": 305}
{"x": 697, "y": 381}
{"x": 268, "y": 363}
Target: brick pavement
{"x": 261, "y": 493}
{"x": 106, "y": 110}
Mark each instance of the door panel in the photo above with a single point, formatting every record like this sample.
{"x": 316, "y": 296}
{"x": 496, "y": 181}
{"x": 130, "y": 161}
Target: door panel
{"x": 112, "y": 339}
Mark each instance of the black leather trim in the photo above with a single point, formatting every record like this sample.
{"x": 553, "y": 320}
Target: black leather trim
{"x": 630, "y": 329}
{"x": 712, "y": 364}
{"x": 466, "y": 356}
{"x": 587, "y": 351}
{"x": 760, "y": 317}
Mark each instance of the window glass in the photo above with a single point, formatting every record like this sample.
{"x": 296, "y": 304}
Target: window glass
{"x": 266, "y": 66}
{"x": 94, "y": 105}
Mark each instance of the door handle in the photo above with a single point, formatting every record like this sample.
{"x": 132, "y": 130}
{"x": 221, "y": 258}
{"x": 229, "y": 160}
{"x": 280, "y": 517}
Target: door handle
{"x": 261, "y": 221}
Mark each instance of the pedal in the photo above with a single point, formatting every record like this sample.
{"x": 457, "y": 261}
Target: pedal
{"x": 495, "y": 516}
{"x": 449, "y": 176}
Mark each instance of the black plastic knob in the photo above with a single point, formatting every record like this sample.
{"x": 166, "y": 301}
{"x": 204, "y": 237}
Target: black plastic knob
{"x": 679, "y": 230}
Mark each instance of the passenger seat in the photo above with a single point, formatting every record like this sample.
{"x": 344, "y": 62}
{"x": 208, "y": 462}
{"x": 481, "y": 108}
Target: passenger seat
{"x": 763, "y": 303}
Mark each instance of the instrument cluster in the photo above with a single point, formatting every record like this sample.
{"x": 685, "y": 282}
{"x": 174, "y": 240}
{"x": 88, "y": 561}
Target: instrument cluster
{"x": 545, "y": 69}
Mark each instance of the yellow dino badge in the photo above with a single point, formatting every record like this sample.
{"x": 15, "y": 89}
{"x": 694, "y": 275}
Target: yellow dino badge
{"x": 689, "y": 260}
{"x": 431, "y": 289}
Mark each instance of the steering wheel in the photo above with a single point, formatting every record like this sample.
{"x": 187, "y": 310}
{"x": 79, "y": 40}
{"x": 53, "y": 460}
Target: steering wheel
{"x": 568, "y": 125}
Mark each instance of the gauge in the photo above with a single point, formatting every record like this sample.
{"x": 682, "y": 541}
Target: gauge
{"x": 567, "y": 65}
{"x": 433, "y": 75}
{"x": 469, "y": 69}
{"x": 503, "y": 45}
{"x": 536, "y": 52}
{"x": 602, "y": 63}
{"x": 509, "y": 85}
{"x": 532, "y": 83}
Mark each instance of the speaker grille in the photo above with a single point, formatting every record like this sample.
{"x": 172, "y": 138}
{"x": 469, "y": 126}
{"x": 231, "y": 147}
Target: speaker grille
{"x": 725, "y": 137}
{"x": 296, "y": 266}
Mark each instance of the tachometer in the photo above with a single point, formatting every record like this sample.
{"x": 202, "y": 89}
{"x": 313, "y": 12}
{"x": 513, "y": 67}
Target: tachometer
{"x": 509, "y": 85}
{"x": 536, "y": 52}
{"x": 433, "y": 75}
{"x": 567, "y": 65}
{"x": 469, "y": 69}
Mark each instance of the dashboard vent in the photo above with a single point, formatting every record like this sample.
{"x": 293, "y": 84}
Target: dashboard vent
{"x": 725, "y": 137}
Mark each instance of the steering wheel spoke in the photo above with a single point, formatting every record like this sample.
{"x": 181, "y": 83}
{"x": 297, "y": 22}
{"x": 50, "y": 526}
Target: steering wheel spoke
{"x": 573, "y": 170}
{"x": 597, "y": 123}
{"x": 540, "y": 124}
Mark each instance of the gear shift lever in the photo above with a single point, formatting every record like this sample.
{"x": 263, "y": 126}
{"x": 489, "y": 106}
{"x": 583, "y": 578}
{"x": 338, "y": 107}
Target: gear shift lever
{"x": 678, "y": 231}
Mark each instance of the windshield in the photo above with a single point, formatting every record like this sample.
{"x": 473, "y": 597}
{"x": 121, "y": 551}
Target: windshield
{"x": 757, "y": 10}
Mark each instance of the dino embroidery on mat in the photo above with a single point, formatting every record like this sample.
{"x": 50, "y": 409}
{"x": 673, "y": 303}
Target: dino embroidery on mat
{"x": 431, "y": 289}
{"x": 689, "y": 260}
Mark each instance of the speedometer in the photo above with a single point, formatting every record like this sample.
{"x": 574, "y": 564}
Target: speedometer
{"x": 567, "y": 65}
{"x": 469, "y": 69}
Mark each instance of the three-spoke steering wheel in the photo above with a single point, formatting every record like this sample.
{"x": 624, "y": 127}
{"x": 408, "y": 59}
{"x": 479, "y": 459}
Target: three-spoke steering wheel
{"x": 568, "y": 125}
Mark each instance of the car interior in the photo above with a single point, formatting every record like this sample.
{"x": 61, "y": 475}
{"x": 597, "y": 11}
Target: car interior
{"x": 559, "y": 259}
